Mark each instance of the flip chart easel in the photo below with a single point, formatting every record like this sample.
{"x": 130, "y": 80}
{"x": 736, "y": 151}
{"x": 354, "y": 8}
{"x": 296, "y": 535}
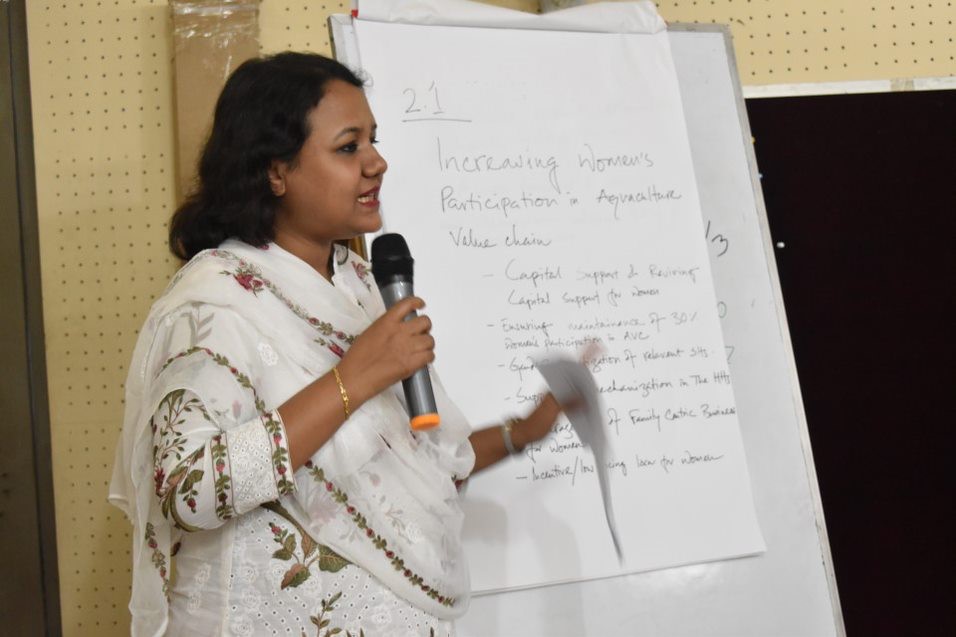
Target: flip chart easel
{"x": 790, "y": 589}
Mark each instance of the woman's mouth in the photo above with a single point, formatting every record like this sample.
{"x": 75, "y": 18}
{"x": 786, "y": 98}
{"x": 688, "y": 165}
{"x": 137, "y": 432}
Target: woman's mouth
{"x": 370, "y": 197}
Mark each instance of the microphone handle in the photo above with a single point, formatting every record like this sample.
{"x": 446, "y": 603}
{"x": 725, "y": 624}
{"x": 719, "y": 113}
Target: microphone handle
{"x": 418, "y": 387}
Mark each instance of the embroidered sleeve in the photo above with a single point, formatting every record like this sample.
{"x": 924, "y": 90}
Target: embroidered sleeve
{"x": 261, "y": 463}
{"x": 202, "y": 475}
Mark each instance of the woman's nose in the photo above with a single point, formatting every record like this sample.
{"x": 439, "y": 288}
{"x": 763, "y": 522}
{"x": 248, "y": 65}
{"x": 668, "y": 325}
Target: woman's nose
{"x": 375, "y": 165}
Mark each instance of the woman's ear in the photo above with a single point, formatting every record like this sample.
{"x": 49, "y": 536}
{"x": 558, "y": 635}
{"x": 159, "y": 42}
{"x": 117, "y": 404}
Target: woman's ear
{"x": 277, "y": 173}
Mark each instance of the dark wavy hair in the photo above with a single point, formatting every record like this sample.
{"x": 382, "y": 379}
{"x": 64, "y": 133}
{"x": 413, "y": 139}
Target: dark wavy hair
{"x": 261, "y": 117}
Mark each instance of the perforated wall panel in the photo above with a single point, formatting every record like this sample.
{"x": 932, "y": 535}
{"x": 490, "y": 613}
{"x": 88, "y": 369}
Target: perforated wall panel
{"x": 796, "y": 41}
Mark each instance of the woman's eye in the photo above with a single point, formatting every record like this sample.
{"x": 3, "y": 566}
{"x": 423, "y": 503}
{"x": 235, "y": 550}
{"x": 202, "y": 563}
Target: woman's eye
{"x": 349, "y": 148}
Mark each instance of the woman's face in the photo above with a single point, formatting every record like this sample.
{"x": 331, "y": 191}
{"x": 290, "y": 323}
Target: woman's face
{"x": 331, "y": 190}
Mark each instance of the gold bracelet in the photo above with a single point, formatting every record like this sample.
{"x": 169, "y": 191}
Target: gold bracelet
{"x": 506, "y": 435}
{"x": 345, "y": 394}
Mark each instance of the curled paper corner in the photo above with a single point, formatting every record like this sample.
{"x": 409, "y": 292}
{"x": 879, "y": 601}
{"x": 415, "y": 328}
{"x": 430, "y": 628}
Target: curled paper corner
{"x": 603, "y": 17}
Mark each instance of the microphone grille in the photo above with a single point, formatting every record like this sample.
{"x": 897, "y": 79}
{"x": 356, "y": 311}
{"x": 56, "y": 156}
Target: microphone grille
{"x": 391, "y": 258}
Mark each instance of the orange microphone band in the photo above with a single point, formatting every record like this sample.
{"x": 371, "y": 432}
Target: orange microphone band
{"x": 425, "y": 421}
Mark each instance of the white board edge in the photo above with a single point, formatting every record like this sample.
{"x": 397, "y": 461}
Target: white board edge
{"x": 783, "y": 325}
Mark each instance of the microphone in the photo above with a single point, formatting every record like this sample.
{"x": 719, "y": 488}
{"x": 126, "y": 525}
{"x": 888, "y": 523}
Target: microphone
{"x": 392, "y": 266}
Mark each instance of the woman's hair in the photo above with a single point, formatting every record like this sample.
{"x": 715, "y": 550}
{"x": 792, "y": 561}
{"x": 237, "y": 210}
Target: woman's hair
{"x": 261, "y": 117}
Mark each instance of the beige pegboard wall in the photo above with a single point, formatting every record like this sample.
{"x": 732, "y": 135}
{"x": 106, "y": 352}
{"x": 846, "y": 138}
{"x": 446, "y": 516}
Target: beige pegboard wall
{"x": 100, "y": 83}
{"x": 803, "y": 41}
{"x": 300, "y": 25}
{"x": 102, "y": 87}
{"x": 297, "y": 25}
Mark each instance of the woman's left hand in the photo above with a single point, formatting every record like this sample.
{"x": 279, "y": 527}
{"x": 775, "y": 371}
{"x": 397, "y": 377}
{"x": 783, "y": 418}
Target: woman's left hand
{"x": 537, "y": 424}
{"x": 489, "y": 443}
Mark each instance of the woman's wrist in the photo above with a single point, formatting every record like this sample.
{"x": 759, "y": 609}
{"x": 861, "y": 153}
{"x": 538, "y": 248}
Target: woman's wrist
{"x": 507, "y": 436}
{"x": 354, "y": 382}
{"x": 535, "y": 425}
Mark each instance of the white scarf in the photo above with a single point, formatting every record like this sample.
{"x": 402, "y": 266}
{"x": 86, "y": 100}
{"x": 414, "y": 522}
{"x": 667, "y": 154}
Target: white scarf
{"x": 375, "y": 493}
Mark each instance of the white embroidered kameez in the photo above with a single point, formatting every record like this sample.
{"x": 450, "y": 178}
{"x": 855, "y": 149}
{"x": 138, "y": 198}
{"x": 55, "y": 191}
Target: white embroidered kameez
{"x": 364, "y": 538}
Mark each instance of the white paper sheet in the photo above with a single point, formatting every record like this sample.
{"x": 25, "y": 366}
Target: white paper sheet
{"x": 573, "y": 386}
{"x": 543, "y": 181}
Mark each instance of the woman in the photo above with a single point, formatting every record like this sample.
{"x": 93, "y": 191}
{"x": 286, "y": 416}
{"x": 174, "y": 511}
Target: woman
{"x": 264, "y": 444}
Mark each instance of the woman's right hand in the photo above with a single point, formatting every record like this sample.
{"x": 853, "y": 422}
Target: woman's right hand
{"x": 390, "y": 350}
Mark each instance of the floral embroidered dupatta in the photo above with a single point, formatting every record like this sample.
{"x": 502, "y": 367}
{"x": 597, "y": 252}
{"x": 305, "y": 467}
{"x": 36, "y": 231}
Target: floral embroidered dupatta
{"x": 377, "y": 494}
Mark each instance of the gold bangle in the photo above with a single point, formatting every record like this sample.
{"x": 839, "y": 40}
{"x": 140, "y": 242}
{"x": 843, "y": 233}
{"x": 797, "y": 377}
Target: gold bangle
{"x": 345, "y": 394}
{"x": 506, "y": 435}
